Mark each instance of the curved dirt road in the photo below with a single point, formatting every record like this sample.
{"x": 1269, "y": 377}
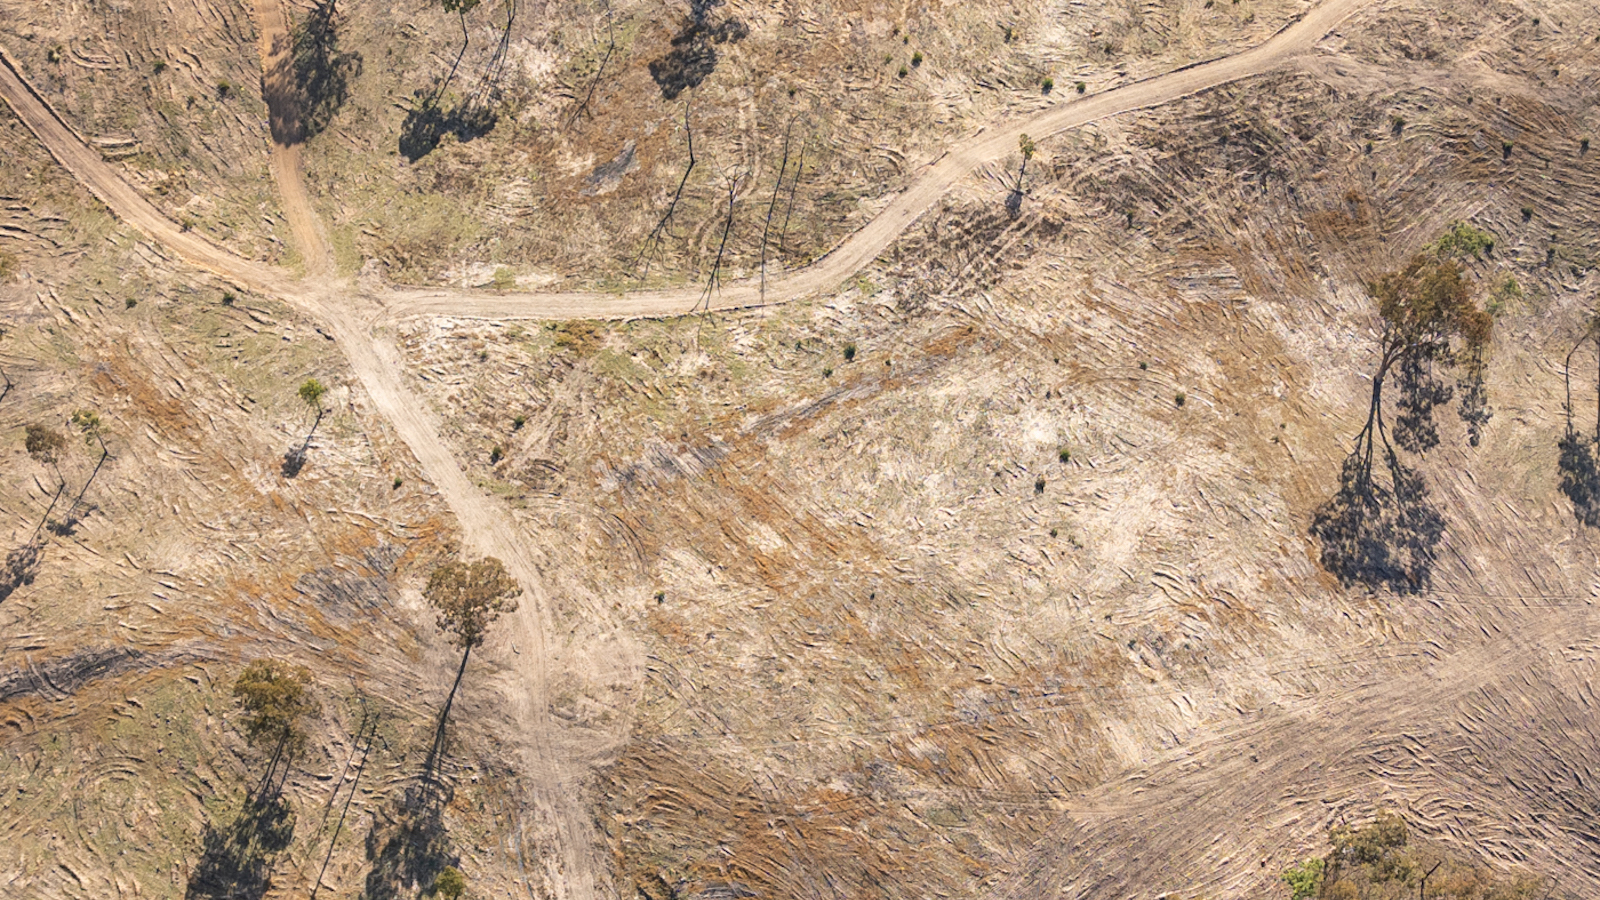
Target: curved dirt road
{"x": 861, "y": 248}
{"x": 826, "y": 273}
{"x": 351, "y": 318}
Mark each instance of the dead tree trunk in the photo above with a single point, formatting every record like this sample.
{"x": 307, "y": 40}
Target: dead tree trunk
{"x": 652, "y": 242}
{"x": 766, "y": 230}
{"x": 714, "y": 281}
{"x": 611, "y": 47}
{"x": 355, "y": 785}
{"x": 72, "y": 511}
{"x": 799, "y": 167}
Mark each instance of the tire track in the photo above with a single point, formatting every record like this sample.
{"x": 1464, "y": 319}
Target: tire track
{"x": 354, "y": 318}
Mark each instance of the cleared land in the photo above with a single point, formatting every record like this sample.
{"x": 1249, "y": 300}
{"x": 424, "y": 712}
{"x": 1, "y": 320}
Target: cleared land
{"x": 1003, "y": 669}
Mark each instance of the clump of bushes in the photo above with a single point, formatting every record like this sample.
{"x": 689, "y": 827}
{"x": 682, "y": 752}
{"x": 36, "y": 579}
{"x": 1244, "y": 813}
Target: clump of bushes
{"x": 1462, "y": 240}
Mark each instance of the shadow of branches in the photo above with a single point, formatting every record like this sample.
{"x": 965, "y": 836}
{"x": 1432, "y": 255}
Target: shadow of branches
{"x": 236, "y": 861}
{"x": 21, "y": 565}
{"x": 694, "y": 49}
{"x": 428, "y": 122}
{"x": 322, "y": 72}
{"x": 1376, "y": 534}
{"x": 1580, "y": 476}
{"x": 409, "y": 844}
{"x": 293, "y": 461}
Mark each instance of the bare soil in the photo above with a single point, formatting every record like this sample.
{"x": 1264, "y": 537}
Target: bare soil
{"x": 925, "y": 582}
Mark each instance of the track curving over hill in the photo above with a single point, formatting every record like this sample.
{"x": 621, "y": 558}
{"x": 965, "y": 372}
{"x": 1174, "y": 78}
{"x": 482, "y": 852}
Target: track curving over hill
{"x": 355, "y": 317}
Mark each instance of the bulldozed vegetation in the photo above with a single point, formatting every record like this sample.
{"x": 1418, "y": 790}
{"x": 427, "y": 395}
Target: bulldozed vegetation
{"x": 1071, "y": 546}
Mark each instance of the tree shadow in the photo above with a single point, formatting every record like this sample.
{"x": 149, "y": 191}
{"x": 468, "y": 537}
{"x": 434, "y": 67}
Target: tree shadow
{"x": 1014, "y": 202}
{"x": 321, "y": 71}
{"x": 1580, "y": 476}
{"x": 1379, "y": 535}
{"x": 409, "y": 845}
{"x": 694, "y": 49}
{"x": 236, "y": 861}
{"x": 428, "y": 122}
{"x": 21, "y": 565}
{"x": 293, "y": 462}
{"x": 67, "y": 526}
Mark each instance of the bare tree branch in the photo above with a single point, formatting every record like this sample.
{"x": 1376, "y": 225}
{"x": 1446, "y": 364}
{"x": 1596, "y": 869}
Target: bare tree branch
{"x": 652, "y": 242}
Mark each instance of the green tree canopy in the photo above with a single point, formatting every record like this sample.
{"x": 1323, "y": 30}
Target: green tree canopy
{"x": 469, "y": 597}
{"x": 275, "y": 696}
{"x": 450, "y": 884}
{"x": 311, "y": 392}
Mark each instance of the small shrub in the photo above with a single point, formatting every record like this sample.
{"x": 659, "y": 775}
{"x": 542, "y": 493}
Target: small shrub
{"x": 1397, "y": 123}
{"x": 1011, "y": 34}
{"x": 1180, "y": 399}
{"x": 1583, "y": 146}
{"x": 224, "y": 89}
{"x": 1047, "y": 85}
{"x": 55, "y": 54}
{"x": 1505, "y": 149}
{"x": 1038, "y": 485}
{"x": 130, "y": 303}
{"x": 580, "y": 337}
{"x": 518, "y": 422}
{"x": 483, "y": 356}
{"x": 1502, "y": 295}
{"x": 916, "y": 59}
{"x": 1054, "y": 532}
{"x": 397, "y": 482}
{"x": 827, "y": 373}
{"x": 450, "y": 884}
{"x": 1064, "y": 455}
{"x": 1369, "y": 148}
{"x": 661, "y": 596}
{"x": 158, "y": 66}
{"x": 849, "y": 352}
{"x": 1080, "y": 87}
{"x": 1527, "y": 213}
{"x": 904, "y": 71}
{"x": 1461, "y": 239}
{"x": 497, "y": 454}
{"x": 228, "y": 298}
{"x": 1304, "y": 878}
{"x": 1143, "y": 365}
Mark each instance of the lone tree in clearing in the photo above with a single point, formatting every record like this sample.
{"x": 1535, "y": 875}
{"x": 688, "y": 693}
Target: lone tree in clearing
{"x": 1028, "y": 148}
{"x": 275, "y": 698}
{"x": 93, "y": 429}
{"x": 468, "y": 598}
{"x": 1381, "y": 529}
{"x": 311, "y": 393}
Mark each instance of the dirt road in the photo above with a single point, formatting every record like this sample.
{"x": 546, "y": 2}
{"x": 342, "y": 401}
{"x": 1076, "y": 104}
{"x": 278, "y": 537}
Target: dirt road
{"x": 861, "y": 248}
{"x": 288, "y": 135}
{"x": 486, "y": 527}
{"x": 354, "y": 320}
